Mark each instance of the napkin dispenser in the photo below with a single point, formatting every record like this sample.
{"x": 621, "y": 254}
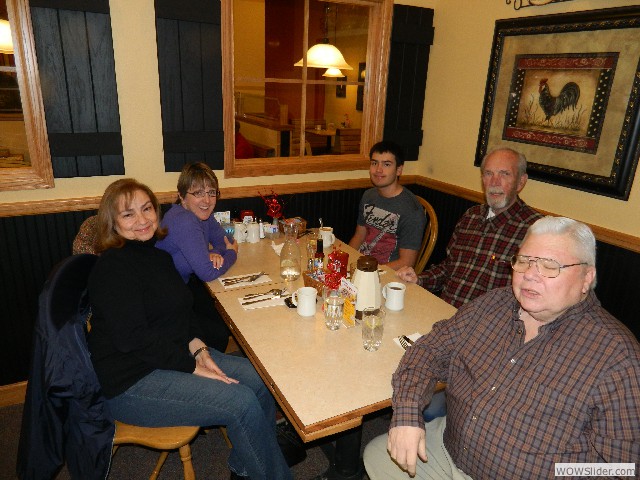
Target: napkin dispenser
{"x": 367, "y": 281}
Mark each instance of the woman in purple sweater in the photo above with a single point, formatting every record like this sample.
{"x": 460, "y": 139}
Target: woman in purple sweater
{"x": 201, "y": 252}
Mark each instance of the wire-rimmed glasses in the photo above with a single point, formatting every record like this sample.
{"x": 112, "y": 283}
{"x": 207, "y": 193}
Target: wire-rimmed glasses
{"x": 202, "y": 193}
{"x": 547, "y": 267}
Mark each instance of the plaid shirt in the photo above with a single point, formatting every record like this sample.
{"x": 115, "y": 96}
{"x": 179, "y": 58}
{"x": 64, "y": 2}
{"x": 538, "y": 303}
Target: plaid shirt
{"x": 571, "y": 394}
{"x": 479, "y": 253}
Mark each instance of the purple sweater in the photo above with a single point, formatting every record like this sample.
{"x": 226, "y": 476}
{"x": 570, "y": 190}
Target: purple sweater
{"x": 189, "y": 241}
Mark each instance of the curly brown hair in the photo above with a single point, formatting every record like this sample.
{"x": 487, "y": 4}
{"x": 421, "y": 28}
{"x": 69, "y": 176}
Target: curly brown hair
{"x": 115, "y": 193}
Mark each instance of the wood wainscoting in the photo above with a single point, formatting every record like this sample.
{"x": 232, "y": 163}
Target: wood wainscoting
{"x": 37, "y": 235}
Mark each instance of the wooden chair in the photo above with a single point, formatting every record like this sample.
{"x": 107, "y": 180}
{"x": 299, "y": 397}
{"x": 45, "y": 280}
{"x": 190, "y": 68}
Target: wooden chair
{"x": 72, "y": 385}
{"x": 347, "y": 140}
{"x": 430, "y": 236}
{"x": 315, "y": 141}
{"x": 164, "y": 439}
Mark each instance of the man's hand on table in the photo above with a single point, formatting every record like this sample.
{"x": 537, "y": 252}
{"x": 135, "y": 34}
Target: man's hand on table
{"x": 407, "y": 274}
{"x": 405, "y": 445}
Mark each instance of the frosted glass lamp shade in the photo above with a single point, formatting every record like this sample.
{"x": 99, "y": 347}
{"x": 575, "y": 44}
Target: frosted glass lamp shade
{"x": 6, "y": 44}
{"x": 333, "y": 73}
{"x": 325, "y": 55}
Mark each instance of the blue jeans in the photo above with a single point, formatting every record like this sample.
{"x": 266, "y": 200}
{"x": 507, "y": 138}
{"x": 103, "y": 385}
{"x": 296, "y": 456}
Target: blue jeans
{"x": 437, "y": 407}
{"x": 170, "y": 398}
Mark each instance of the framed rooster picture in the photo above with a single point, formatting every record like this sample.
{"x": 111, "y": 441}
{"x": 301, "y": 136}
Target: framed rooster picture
{"x": 565, "y": 91}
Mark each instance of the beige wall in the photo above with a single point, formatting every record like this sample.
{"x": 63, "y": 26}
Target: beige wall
{"x": 454, "y": 96}
{"x": 455, "y": 91}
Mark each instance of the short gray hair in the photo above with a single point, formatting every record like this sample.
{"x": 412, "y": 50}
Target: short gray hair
{"x": 522, "y": 160}
{"x": 578, "y": 232}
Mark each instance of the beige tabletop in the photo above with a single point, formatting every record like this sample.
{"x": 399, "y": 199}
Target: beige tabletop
{"x": 251, "y": 259}
{"x": 323, "y": 380}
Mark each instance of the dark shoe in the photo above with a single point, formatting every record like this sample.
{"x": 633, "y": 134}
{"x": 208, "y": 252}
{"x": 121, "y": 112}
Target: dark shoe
{"x": 290, "y": 444}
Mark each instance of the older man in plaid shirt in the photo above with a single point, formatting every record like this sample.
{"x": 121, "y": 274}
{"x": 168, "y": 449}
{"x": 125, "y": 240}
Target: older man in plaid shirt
{"x": 538, "y": 374}
{"x": 486, "y": 236}
{"x": 484, "y": 240}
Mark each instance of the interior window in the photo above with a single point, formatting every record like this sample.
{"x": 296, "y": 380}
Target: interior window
{"x": 287, "y": 114}
{"x": 25, "y": 161}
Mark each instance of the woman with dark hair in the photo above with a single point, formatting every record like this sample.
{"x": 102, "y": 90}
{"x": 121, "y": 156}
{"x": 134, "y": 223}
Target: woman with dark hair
{"x": 145, "y": 345}
{"x": 201, "y": 252}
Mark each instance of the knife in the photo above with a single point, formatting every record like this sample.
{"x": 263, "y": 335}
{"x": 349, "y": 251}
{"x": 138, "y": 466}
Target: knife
{"x": 407, "y": 339}
{"x": 247, "y": 278}
{"x": 256, "y": 301}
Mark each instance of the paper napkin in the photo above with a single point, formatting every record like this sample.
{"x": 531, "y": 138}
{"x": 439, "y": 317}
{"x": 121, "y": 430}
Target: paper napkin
{"x": 276, "y": 248}
{"x": 413, "y": 336}
{"x": 272, "y": 302}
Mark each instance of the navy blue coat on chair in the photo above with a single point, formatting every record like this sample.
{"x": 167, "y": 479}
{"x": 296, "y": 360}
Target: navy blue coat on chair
{"x": 65, "y": 416}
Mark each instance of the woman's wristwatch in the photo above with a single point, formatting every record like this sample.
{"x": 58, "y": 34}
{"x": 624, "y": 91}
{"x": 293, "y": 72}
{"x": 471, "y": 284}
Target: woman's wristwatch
{"x": 201, "y": 349}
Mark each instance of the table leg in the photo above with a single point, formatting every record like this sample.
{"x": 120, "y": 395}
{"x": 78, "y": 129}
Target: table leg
{"x": 344, "y": 457}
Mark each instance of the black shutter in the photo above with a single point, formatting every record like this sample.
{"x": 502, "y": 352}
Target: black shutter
{"x": 190, "y": 71}
{"x": 77, "y": 75}
{"x": 411, "y": 39}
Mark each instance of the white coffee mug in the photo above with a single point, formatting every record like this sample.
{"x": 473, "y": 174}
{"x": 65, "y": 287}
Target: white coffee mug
{"x": 240, "y": 232}
{"x": 305, "y": 299}
{"x": 327, "y": 236}
{"x": 394, "y": 294}
{"x": 253, "y": 232}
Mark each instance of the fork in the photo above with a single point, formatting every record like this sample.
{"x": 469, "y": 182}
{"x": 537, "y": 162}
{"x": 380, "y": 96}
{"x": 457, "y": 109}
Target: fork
{"x": 245, "y": 278}
{"x": 273, "y": 291}
{"x": 405, "y": 342}
{"x": 283, "y": 293}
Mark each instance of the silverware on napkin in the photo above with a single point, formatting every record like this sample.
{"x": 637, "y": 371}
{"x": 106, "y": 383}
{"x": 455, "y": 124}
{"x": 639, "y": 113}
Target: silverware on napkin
{"x": 405, "y": 341}
{"x": 283, "y": 294}
{"x": 246, "y": 278}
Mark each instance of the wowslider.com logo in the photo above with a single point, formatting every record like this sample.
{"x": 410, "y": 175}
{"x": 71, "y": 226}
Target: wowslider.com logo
{"x": 595, "y": 469}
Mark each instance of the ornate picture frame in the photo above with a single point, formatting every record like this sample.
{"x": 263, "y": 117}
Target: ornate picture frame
{"x": 565, "y": 91}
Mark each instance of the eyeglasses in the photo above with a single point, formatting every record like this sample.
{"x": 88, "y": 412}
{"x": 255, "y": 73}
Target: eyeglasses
{"x": 202, "y": 193}
{"x": 546, "y": 267}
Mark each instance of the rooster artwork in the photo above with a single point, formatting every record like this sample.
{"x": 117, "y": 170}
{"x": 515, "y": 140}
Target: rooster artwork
{"x": 568, "y": 97}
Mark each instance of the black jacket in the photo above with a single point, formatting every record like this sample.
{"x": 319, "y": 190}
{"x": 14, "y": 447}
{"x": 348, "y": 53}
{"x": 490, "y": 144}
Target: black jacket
{"x": 65, "y": 416}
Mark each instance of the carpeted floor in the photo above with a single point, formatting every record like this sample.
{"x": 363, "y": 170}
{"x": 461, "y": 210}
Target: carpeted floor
{"x": 209, "y": 452}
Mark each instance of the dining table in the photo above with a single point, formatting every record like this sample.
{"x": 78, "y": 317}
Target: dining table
{"x": 324, "y": 381}
{"x": 328, "y": 133}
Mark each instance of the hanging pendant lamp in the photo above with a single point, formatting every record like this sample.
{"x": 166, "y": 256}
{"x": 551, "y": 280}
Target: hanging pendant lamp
{"x": 6, "y": 43}
{"x": 325, "y": 55}
{"x": 333, "y": 73}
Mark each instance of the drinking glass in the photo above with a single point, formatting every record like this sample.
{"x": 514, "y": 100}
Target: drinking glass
{"x": 333, "y": 309}
{"x": 372, "y": 328}
{"x": 312, "y": 243}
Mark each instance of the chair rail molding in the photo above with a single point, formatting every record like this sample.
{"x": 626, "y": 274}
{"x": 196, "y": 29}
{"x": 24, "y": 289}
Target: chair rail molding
{"x": 618, "y": 239}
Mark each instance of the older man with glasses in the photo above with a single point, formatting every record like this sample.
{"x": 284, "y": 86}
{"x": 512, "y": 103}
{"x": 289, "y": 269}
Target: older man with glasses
{"x": 537, "y": 374}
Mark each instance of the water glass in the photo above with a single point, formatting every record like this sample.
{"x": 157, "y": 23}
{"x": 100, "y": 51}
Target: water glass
{"x": 229, "y": 230}
{"x": 333, "y": 309}
{"x": 312, "y": 243}
{"x": 372, "y": 328}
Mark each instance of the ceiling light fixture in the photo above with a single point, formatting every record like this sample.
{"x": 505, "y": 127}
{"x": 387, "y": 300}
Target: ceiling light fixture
{"x": 6, "y": 43}
{"x": 333, "y": 73}
{"x": 325, "y": 55}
